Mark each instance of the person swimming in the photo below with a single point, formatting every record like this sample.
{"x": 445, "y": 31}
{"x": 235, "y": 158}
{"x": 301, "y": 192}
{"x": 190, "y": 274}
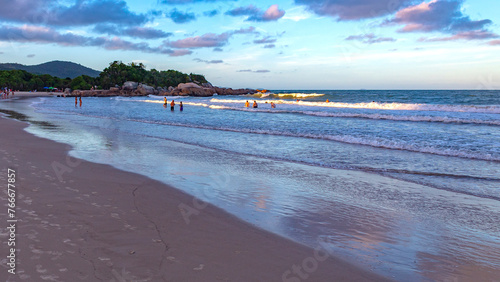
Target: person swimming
{"x": 255, "y": 105}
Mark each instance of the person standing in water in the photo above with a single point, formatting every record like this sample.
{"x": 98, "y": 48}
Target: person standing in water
{"x": 181, "y": 107}
{"x": 76, "y": 101}
{"x": 80, "y": 101}
{"x": 255, "y": 105}
{"x": 273, "y": 105}
{"x": 172, "y": 104}
{"x": 247, "y": 104}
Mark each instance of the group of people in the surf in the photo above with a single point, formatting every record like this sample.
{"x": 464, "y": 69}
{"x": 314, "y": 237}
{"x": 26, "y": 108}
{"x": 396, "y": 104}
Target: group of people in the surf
{"x": 255, "y": 105}
{"x": 172, "y": 104}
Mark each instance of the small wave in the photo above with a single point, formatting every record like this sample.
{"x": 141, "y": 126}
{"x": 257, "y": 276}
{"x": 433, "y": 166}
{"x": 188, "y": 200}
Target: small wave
{"x": 285, "y": 95}
{"x": 376, "y": 142}
{"x": 491, "y": 109}
{"x": 366, "y": 116}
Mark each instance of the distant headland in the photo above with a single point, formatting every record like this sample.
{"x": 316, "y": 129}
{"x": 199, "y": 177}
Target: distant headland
{"x": 118, "y": 79}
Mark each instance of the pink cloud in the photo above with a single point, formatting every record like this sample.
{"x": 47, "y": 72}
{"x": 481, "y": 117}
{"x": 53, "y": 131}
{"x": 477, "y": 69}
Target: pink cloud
{"x": 206, "y": 40}
{"x": 273, "y": 13}
{"x": 494, "y": 42}
{"x": 466, "y": 35}
{"x": 44, "y": 35}
{"x": 436, "y": 15}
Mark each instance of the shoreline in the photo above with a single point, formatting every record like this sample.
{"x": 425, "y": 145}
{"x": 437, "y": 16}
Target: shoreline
{"x": 84, "y": 220}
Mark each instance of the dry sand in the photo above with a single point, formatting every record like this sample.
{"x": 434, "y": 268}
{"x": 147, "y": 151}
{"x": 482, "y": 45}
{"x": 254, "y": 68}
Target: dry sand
{"x": 96, "y": 223}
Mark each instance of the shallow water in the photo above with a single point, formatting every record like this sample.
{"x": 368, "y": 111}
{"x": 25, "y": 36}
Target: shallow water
{"x": 407, "y": 187}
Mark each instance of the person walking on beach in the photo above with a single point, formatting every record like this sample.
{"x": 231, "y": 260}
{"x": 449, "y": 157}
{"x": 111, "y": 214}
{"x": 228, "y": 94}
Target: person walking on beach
{"x": 255, "y": 105}
{"x": 172, "y": 104}
{"x": 247, "y": 104}
{"x": 181, "y": 107}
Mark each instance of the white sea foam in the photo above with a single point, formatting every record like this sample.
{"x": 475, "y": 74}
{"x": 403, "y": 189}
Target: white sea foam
{"x": 285, "y": 95}
{"x": 492, "y": 109}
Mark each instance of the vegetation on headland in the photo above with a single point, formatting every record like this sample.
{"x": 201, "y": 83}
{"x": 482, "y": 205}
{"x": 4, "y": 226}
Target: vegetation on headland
{"x": 60, "y": 69}
{"x": 116, "y": 74}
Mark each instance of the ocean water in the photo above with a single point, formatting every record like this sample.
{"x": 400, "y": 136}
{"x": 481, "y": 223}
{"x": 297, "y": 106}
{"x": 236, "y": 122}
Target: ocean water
{"x": 405, "y": 183}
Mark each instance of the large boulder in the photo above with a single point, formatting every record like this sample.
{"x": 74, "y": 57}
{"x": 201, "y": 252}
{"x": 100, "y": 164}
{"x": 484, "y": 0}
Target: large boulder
{"x": 130, "y": 85}
{"x": 144, "y": 89}
{"x": 188, "y": 85}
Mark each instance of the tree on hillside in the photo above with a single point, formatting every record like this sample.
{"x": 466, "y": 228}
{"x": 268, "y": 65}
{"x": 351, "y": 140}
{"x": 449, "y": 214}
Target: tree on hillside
{"x": 80, "y": 83}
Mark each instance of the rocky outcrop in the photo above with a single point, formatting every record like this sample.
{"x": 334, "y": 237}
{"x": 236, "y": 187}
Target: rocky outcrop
{"x": 131, "y": 88}
{"x": 130, "y": 85}
{"x": 144, "y": 89}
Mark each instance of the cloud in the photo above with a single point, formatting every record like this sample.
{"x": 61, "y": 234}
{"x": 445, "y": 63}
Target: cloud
{"x": 190, "y": 1}
{"x": 255, "y": 14}
{"x": 256, "y": 71}
{"x": 345, "y": 10}
{"x": 44, "y": 35}
{"x": 217, "y": 49}
{"x": 269, "y": 46}
{"x": 272, "y": 14}
{"x": 247, "y": 30}
{"x": 146, "y": 33}
{"x": 437, "y": 15}
{"x": 136, "y": 32}
{"x": 208, "y": 39}
{"x": 249, "y": 10}
{"x": 211, "y": 13}
{"x": 265, "y": 40}
{"x": 82, "y": 12}
{"x": 180, "y": 17}
{"x": 466, "y": 35}
{"x": 494, "y": 42}
{"x": 30, "y": 55}
{"x": 208, "y": 62}
{"x": 370, "y": 38}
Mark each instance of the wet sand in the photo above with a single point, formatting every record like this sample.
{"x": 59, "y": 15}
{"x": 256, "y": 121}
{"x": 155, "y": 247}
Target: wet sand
{"x": 79, "y": 220}
{"x": 34, "y": 94}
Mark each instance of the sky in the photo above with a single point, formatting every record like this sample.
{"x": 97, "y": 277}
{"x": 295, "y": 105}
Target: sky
{"x": 295, "y": 44}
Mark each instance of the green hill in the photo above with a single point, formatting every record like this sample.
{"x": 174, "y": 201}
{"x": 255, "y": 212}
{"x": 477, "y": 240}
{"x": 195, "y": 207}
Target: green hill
{"x": 59, "y": 69}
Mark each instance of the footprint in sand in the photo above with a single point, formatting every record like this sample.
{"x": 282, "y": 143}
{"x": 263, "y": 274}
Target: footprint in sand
{"x": 72, "y": 189}
{"x": 39, "y": 269}
{"x": 199, "y": 267}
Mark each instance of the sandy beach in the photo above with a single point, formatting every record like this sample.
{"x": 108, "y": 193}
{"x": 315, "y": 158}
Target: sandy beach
{"x": 33, "y": 94}
{"x": 78, "y": 220}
